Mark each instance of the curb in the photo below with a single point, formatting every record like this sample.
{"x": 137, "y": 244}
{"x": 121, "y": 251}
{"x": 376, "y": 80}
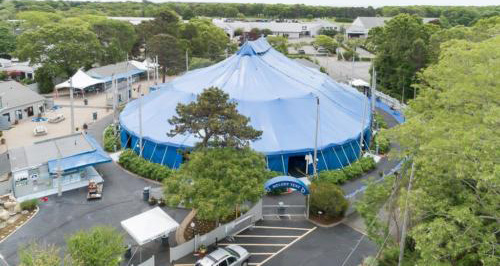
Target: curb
{"x": 138, "y": 176}
{"x": 20, "y": 226}
{"x": 326, "y": 225}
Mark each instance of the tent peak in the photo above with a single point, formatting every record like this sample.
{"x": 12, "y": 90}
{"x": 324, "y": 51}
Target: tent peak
{"x": 257, "y": 47}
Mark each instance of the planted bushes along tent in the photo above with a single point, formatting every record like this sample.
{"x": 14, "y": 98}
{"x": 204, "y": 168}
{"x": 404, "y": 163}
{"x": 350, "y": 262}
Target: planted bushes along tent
{"x": 278, "y": 94}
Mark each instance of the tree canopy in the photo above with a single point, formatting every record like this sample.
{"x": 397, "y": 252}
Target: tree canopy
{"x": 279, "y": 43}
{"x": 216, "y": 181}
{"x": 214, "y": 119}
{"x": 99, "y": 246}
{"x": 7, "y": 39}
{"x": 326, "y": 42}
{"x": 450, "y": 133}
{"x": 402, "y": 49}
{"x": 60, "y": 47}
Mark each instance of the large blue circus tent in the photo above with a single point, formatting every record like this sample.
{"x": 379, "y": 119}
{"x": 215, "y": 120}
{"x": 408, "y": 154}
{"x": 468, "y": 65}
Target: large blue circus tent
{"x": 280, "y": 97}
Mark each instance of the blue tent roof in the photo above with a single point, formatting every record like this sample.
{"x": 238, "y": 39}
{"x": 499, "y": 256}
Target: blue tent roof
{"x": 277, "y": 93}
{"x": 89, "y": 158}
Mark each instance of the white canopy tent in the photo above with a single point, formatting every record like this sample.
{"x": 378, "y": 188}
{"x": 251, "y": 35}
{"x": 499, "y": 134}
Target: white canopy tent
{"x": 80, "y": 80}
{"x": 149, "y": 225}
{"x": 359, "y": 83}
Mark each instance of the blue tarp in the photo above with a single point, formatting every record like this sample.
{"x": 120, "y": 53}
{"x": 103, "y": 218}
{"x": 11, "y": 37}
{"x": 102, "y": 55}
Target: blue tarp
{"x": 81, "y": 160}
{"x": 277, "y": 93}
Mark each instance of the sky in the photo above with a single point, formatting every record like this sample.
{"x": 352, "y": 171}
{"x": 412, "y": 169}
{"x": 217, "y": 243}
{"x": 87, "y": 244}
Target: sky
{"x": 374, "y": 3}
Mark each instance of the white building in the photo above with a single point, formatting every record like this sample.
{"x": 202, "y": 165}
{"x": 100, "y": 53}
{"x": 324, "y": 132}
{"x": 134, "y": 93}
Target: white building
{"x": 362, "y": 25}
{"x": 292, "y": 30}
{"x": 35, "y": 168}
{"x": 18, "y": 102}
{"x": 133, "y": 20}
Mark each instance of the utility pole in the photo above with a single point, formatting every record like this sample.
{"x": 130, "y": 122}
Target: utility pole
{"x": 140, "y": 120}
{"x": 72, "y": 104}
{"x": 373, "y": 88}
{"x": 157, "y": 70}
{"x": 405, "y": 219}
{"x": 147, "y": 68}
{"x": 113, "y": 89}
{"x": 365, "y": 96}
{"x": 315, "y": 159}
{"x": 352, "y": 67}
{"x": 187, "y": 61}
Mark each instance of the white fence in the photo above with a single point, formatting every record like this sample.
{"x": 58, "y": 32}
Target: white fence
{"x": 219, "y": 233}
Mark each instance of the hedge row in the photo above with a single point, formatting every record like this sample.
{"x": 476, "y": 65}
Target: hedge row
{"x": 140, "y": 166}
{"x": 356, "y": 169}
{"x": 111, "y": 139}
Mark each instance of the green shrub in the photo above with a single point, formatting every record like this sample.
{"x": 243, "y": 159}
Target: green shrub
{"x": 140, "y": 166}
{"x": 337, "y": 177}
{"x": 383, "y": 143}
{"x": 111, "y": 139}
{"x": 327, "y": 198}
{"x": 367, "y": 163}
{"x": 379, "y": 119}
{"x": 29, "y": 205}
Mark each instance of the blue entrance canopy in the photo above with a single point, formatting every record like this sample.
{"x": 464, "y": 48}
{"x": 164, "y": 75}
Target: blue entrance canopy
{"x": 286, "y": 182}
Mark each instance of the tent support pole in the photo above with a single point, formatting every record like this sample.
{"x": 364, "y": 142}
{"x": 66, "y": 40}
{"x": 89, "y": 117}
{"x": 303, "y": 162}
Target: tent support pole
{"x": 357, "y": 143}
{"x": 326, "y": 165}
{"x": 355, "y": 153}
{"x": 163, "y": 158}
{"x": 151, "y": 157}
{"x": 283, "y": 162}
{"x": 338, "y": 158}
{"x": 345, "y": 154}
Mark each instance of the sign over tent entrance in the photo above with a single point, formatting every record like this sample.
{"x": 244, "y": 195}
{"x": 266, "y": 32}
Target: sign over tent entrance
{"x": 286, "y": 182}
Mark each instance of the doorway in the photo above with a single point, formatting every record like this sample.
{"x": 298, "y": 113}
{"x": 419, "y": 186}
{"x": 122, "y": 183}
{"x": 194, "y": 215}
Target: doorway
{"x": 29, "y": 111}
{"x": 297, "y": 166}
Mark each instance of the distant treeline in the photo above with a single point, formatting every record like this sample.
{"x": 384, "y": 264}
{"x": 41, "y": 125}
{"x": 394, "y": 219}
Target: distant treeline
{"x": 450, "y": 15}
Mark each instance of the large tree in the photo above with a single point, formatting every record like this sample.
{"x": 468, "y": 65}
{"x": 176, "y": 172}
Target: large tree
{"x": 216, "y": 181}
{"x": 7, "y": 40}
{"x": 62, "y": 48}
{"x": 451, "y": 134}
{"x": 401, "y": 48}
{"x": 169, "y": 52}
{"x": 99, "y": 246}
{"x": 214, "y": 119}
{"x": 204, "y": 39}
{"x": 116, "y": 37}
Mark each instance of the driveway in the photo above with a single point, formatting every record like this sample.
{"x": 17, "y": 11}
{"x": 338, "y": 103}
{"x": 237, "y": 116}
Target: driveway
{"x": 62, "y": 216}
{"x": 343, "y": 71}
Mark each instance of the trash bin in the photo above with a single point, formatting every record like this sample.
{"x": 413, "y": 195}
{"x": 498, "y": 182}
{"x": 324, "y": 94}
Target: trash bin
{"x": 94, "y": 116}
{"x": 164, "y": 241}
{"x": 128, "y": 251}
{"x": 85, "y": 101}
{"x": 281, "y": 208}
{"x": 145, "y": 193}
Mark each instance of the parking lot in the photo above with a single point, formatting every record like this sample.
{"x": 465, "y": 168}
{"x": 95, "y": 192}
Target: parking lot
{"x": 265, "y": 240}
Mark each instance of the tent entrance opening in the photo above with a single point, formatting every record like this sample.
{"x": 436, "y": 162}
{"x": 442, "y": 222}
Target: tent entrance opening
{"x": 297, "y": 166}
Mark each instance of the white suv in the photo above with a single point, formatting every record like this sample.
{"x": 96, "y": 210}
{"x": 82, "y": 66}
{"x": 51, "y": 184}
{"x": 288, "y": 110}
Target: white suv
{"x": 232, "y": 255}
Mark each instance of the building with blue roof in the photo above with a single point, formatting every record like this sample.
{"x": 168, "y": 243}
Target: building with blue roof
{"x": 35, "y": 168}
{"x": 280, "y": 97}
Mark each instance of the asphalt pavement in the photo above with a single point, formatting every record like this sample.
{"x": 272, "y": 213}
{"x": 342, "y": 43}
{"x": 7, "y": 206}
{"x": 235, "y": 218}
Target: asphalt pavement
{"x": 60, "y": 217}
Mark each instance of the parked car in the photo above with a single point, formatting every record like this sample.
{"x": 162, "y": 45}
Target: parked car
{"x": 40, "y": 131}
{"x": 322, "y": 51}
{"x": 301, "y": 51}
{"x": 56, "y": 118}
{"x": 232, "y": 255}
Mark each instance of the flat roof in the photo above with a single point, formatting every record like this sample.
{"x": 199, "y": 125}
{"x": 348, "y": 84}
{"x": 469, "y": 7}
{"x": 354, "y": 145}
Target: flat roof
{"x": 52, "y": 149}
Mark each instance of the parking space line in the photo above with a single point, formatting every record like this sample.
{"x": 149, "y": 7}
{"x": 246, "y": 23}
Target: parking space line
{"x": 287, "y": 245}
{"x": 284, "y": 228}
{"x": 262, "y": 253}
{"x": 252, "y": 244}
{"x": 266, "y": 236}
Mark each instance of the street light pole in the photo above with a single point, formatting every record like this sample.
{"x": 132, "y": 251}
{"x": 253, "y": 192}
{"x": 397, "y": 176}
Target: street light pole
{"x": 72, "y": 105}
{"x": 315, "y": 159}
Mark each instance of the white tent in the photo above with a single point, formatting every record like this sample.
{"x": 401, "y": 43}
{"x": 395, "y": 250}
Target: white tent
{"x": 80, "y": 80}
{"x": 149, "y": 225}
{"x": 359, "y": 83}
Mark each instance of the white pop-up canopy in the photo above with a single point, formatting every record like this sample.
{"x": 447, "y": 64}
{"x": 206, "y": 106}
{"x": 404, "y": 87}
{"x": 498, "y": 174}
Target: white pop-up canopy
{"x": 80, "y": 80}
{"x": 359, "y": 83}
{"x": 149, "y": 225}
